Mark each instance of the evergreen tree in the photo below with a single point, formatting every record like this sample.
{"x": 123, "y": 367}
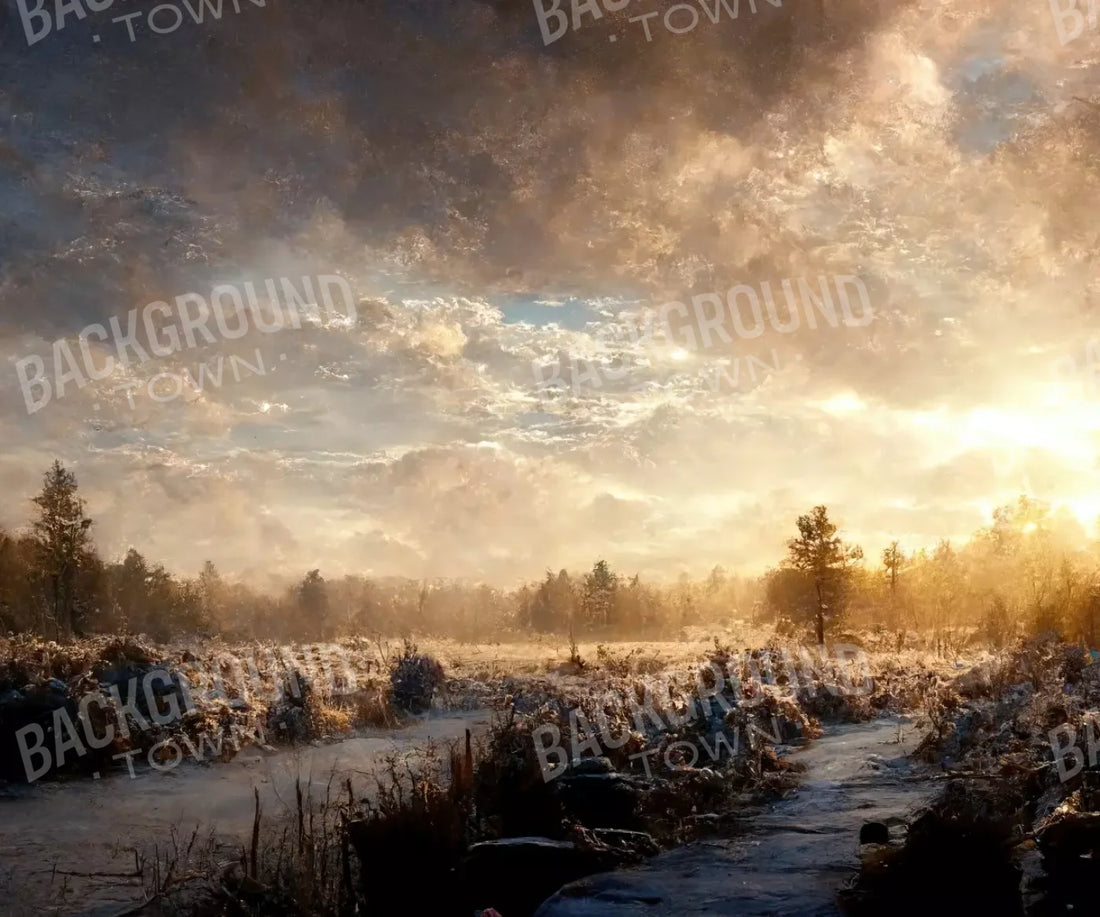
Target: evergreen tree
{"x": 313, "y": 603}
{"x": 825, "y": 559}
{"x": 598, "y": 601}
{"x": 64, "y": 547}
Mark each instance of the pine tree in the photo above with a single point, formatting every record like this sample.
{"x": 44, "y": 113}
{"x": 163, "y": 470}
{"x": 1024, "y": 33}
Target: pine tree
{"x": 313, "y": 603}
{"x": 820, "y": 554}
{"x": 598, "y": 597}
{"x": 61, "y": 535}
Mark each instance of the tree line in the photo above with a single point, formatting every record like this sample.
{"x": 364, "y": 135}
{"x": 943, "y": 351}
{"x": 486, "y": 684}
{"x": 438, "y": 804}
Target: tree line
{"x": 1028, "y": 572}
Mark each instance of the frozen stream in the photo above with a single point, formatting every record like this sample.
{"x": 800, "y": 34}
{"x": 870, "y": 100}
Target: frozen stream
{"x": 87, "y": 826}
{"x": 792, "y": 859}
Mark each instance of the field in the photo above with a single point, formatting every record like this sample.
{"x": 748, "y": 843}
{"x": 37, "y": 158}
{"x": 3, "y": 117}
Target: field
{"x": 298, "y": 775}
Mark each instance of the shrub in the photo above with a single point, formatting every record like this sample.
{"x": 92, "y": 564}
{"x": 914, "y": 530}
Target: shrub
{"x": 296, "y": 716}
{"x": 617, "y": 664}
{"x": 414, "y": 678}
{"x": 415, "y": 823}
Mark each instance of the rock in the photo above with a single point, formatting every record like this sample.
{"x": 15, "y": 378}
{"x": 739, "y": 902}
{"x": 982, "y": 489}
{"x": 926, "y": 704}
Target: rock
{"x": 874, "y": 832}
{"x": 600, "y": 800}
{"x": 517, "y": 874}
{"x": 35, "y": 708}
{"x": 113, "y": 676}
{"x": 878, "y": 762}
{"x": 789, "y": 730}
{"x": 1070, "y": 844}
{"x": 706, "y": 819}
{"x": 885, "y": 701}
{"x": 581, "y": 766}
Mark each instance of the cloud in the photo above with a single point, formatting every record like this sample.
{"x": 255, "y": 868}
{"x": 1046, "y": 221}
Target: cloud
{"x": 495, "y": 202}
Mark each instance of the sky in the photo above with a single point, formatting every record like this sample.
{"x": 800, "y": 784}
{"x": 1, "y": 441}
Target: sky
{"x": 498, "y": 208}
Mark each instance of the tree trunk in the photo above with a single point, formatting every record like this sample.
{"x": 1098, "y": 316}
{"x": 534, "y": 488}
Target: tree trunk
{"x": 67, "y": 590}
{"x": 820, "y": 616}
{"x": 55, "y": 581}
{"x": 893, "y": 623}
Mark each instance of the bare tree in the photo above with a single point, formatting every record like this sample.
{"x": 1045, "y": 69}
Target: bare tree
{"x": 892, "y": 561}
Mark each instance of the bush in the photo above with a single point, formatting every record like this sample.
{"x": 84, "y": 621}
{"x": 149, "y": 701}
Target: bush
{"x": 416, "y": 823}
{"x": 414, "y": 678}
{"x": 957, "y": 860}
{"x": 617, "y": 664}
{"x": 296, "y": 716}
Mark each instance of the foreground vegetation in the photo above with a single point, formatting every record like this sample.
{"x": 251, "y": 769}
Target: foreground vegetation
{"x": 1005, "y": 818}
{"x": 1016, "y": 829}
{"x": 667, "y": 780}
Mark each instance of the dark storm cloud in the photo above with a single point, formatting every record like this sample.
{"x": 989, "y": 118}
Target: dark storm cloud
{"x": 446, "y": 132}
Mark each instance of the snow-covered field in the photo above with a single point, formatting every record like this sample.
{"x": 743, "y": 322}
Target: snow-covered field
{"x": 324, "y": 714}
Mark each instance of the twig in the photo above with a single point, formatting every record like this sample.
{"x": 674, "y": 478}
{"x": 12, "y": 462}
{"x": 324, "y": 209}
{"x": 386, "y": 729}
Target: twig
{"x": 99, "y": 875}
{"x": 255, "y": 834}
{"x": 953, "y": 775}
{"x": 135, "y": 909}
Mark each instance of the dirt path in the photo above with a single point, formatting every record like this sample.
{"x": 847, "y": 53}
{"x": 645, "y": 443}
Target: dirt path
{"x": 794, "y": 857}
{"x": 92, "y": 826}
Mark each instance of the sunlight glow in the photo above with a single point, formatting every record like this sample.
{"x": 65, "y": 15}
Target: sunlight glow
{"x": 1085, "y": 508}
{"x": 1070, "y": 432}
{"x": 843, "y": 404}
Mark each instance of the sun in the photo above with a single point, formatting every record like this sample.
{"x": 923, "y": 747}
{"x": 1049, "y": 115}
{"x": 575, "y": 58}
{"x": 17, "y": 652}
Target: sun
{"x": 1085, "y": 508}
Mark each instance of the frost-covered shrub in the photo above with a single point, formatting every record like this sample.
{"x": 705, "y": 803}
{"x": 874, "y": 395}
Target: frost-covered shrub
{"x": 414, "y": 678}
{"x": 294, "y": 716}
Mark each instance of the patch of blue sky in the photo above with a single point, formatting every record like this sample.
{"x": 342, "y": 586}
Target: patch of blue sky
{"x": 567, "y": 312}
{"x": 993, "y": 97}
